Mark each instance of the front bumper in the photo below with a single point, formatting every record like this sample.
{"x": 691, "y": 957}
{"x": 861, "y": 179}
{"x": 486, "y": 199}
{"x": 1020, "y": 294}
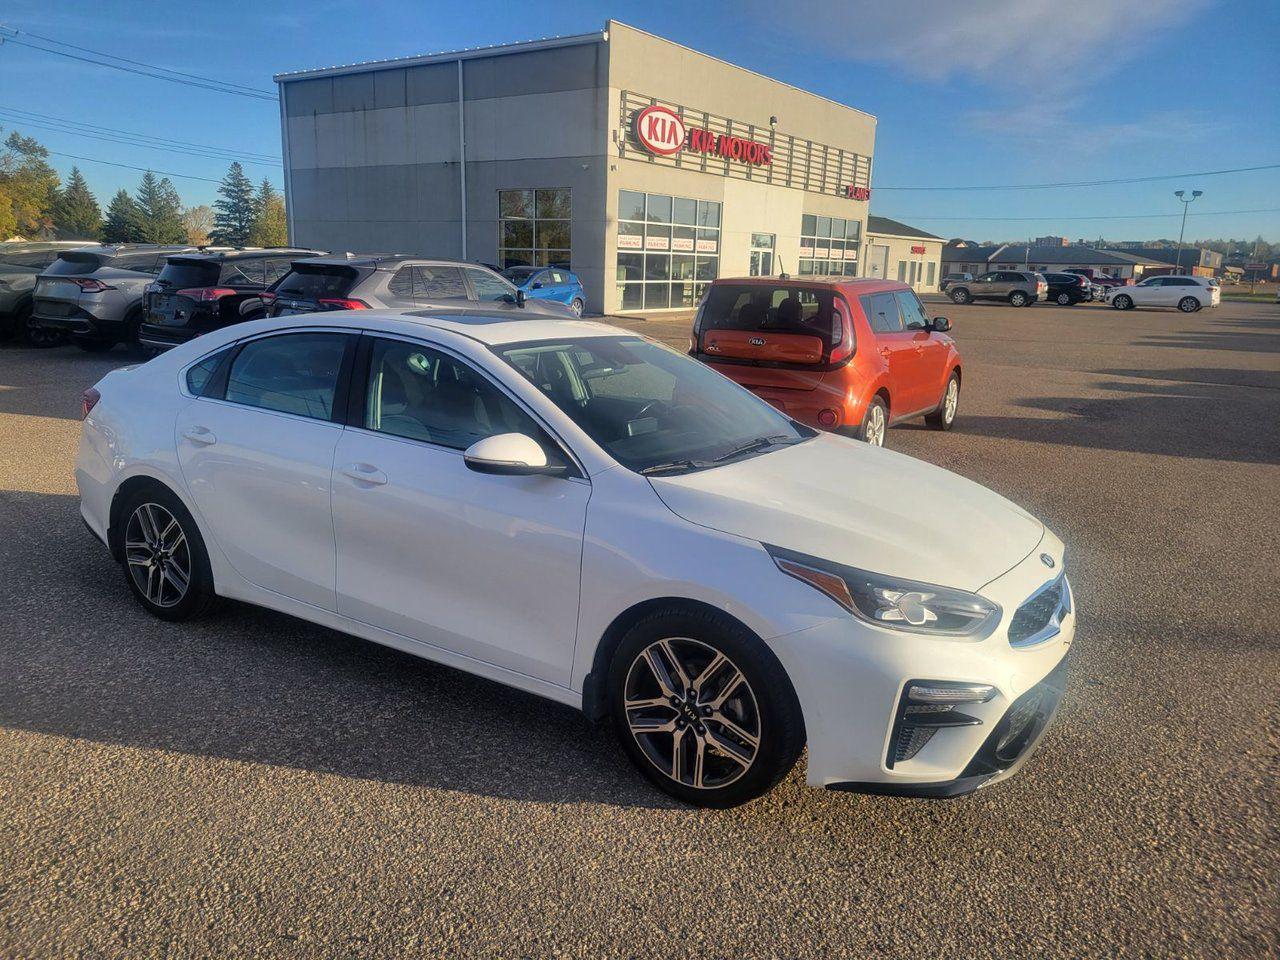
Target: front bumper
{"x": 850, "y": 678}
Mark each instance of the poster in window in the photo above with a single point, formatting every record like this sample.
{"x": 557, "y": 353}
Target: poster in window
{"x": 630, "y": 241}
{"x": 657, "y": 243}
{"x": 707, "y": 246}
{"x": 682, "y": 244}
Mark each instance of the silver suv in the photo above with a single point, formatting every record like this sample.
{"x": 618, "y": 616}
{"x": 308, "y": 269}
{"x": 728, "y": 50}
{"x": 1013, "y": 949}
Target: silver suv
{"x": 95, "y": 295}
{"x": 400, "y": 282}
{"x": 1020, "y": 288}
{"x": 20, "y": 264}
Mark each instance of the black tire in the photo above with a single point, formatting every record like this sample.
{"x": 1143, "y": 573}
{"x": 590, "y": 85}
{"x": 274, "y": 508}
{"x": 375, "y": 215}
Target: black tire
{"x": 1188, "y": 304}
{"x": 942, "y": 418}
{"x": 577, "y": 306}
{"x": 133, "y": 329}
{"x": 960, "y": 295}
{"x": 1064, "y": 300}
{"x": 1122, "y": 302}
{"x": 92, "y": 345}
{"x": 1019, "y": 299}
{"x": 774, "y": 707}
{"x": 198, "y": 598}
{"x": 870, "y": 430}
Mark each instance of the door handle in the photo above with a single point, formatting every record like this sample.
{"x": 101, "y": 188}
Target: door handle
{"x": 884, "y": 352}
{"x": 201, "y": 435}
{"x": 364, "y": 473}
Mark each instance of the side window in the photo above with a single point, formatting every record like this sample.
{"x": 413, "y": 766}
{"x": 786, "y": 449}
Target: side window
{"x": 199, "y": 375}
{"x": 438, "y": 283}
{"x": 422, "y": 394}
{"x": 912, "y": 310}
{"x": 489, "y": 286}
{"x": 242, "y": 273}
{"x": 294, "y": 373}
{"x": 882, "y": 312}
{"x": 555, "y": 276}
{"x": 987, "y": 277}
{"x": 401, "y": 284}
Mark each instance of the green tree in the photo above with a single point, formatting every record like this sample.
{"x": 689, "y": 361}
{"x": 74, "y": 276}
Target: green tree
{"x": 29, "y": 185}
{"x": 76, "y": 214}
{"x": 235, "y": 209}
{"x": 161, "y": 211}
{"x": 124, "y": 223}
{"x": 270, "y": 225}
{"x": 8, "y": 222}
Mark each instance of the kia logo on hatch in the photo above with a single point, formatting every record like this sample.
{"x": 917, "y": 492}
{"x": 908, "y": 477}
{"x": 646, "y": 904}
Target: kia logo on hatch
{"x": 660, "y": 130}
{"x": 756, "y": 341}
{"x": 1046, "y": 560}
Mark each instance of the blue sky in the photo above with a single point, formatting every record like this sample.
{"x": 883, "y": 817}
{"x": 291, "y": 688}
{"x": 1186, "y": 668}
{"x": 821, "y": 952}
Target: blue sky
{"x": 966, "y": 93}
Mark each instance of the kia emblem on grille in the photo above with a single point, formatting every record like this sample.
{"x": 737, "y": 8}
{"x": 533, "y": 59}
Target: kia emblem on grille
{"x": 1046, "y": 560}
{"x": 756, "y": 341}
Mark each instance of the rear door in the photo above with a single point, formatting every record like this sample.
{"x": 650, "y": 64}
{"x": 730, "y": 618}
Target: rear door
{"x": 986, "y": 286}
{"x": 898, "y": 347}
{"x": 257, "y": 455}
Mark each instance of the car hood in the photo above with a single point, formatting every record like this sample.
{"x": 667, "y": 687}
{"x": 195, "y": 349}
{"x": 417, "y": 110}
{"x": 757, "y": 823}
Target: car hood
{"x": 845, "y": 501}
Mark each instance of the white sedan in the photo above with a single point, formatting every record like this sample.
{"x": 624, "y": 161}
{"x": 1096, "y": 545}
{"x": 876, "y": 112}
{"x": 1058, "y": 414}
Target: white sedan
{"x": 1188, "y": 294}
{"x": 588, "y": 515}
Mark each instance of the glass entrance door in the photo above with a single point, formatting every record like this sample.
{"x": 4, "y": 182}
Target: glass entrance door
{"x": 762, "y": 254}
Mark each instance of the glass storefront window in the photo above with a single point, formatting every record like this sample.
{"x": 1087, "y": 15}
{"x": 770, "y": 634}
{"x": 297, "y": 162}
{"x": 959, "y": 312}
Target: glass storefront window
{"x": 668, "y": 248}
{"x": 824, "y": 249}
{"x": 534, "y": 227}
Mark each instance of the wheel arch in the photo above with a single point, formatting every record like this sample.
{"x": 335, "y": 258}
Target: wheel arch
{"x": 125, "y": 489}
{"x": 595, "y": 697}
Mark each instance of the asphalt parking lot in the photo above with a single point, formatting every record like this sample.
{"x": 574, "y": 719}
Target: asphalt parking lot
{"x": 254, "y": 785}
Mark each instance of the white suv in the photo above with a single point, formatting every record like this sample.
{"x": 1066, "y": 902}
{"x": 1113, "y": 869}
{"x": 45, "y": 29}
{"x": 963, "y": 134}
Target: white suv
{"x": 1188, "y": 294}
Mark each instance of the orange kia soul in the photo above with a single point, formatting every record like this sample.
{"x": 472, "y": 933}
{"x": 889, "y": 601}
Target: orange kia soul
{"x": 839, "y": 354}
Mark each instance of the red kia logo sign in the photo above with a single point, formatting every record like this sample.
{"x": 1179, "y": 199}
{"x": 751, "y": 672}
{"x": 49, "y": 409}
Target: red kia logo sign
{"x": 660, "y": 130}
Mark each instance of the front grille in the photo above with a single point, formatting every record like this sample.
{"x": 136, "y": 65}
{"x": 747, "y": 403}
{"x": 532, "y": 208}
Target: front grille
{"x": 1041, "y": 613}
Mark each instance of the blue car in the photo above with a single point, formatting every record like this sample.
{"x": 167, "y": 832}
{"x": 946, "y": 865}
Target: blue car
{"x": 549, "y": 283}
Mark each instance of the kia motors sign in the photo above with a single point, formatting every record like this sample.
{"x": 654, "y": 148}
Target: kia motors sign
{"x": 660, "y": 130}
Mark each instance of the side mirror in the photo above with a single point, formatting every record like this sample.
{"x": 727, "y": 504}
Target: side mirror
{"x": 536, "y": 285}
{"x": 520, "y": 297}
{"x": 940, "y": 325}
{"x": 510, "y": 455}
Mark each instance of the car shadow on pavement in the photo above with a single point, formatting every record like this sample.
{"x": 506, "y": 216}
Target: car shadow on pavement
{"x": 79, "y": 658}
{"x": 47, "y": 381}
{"x": 1178, "y": 413}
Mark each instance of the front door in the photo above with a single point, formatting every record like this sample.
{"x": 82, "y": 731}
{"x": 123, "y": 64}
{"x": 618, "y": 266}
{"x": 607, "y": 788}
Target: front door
{"x": 898, "y": 349}
{"x": 931, "y": 352}
{"x": 258, "y": 460}
{"x": 762, "y": 254}
{"x": 878, "y": 261}
{"x": 481, "y": 565}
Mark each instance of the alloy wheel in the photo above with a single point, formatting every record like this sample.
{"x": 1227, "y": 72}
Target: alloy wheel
{"x": 576, "y": 307}
{"x": 952, "y": 401}
{"x": 158, "y": 555}
{"x": 692, "y": 712}
{"x": 875, "y": 425}
{"x": 1189, "y": 305}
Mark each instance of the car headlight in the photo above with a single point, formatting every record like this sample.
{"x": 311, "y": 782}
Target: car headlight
{"x": 890, "y": 602}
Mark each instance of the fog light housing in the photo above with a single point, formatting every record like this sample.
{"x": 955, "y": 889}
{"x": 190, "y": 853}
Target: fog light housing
{"x": 927, "y": 706}
{"x": 828, "y": 418}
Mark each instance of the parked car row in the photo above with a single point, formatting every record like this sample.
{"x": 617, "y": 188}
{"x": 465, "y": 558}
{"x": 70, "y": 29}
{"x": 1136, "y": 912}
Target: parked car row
{"x": 155, "y": 297}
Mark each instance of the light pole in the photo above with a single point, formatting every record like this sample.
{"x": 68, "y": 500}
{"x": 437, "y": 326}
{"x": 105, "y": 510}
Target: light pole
{"x": 1182, "y": 195}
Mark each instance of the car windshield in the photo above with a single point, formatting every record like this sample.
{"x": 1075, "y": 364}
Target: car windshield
{"x": 652, "y": 409}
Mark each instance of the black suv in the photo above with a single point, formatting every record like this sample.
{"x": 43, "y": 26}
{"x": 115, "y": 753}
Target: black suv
{"x": 199, "y": 292}
{"x": 1068, "y": 289}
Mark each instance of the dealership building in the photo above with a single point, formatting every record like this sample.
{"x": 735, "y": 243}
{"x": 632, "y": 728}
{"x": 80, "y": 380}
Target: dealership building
{"x": 646, "y": 167}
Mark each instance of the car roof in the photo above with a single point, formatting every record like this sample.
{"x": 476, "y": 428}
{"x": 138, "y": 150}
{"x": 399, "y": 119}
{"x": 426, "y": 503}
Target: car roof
{"x": 486, "y": 328}
{"x": 385, "y": 261}
{"x": 247, "y": 252}
{"x": 855, "y": 286}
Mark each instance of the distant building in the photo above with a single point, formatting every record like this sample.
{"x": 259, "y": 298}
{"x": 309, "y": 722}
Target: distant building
{"x": 1193, "y": 260}
{"x": 896, "y": 251}
{"x": 966, "y": 258}
{"x": 1050, "y": 242}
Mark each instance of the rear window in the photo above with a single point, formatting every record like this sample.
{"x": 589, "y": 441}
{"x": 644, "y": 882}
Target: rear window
{"x": 780, "y": 309}
{"x": 74, "y": 264}
{"x": 37, "y": 260}
{"x": 184, "y": 274}
{"x": 314, "y": 282}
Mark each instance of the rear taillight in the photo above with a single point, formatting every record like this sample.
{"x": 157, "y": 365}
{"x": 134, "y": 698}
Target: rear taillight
{"x": 267, "y": 297}
{"x": 337, "y": 303}
{"x": 841, "y": 338}
{"x": 88, "y": 400}
{"x": 206, "y": 293}
{"x": 91, "y": 286}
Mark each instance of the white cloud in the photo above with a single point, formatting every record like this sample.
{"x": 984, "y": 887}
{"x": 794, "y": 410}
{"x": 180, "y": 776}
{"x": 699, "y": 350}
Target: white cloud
{"x": 1040, "y": 42}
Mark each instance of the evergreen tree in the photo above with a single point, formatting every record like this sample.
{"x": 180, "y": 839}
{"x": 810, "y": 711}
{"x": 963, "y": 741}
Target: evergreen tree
{"x": 76, "y": 214}
{"x": 161, "y": 211}
{"x": 270, "y": 226}
{"x": 235, "y": 209}
{"x": 124, "y": 222}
